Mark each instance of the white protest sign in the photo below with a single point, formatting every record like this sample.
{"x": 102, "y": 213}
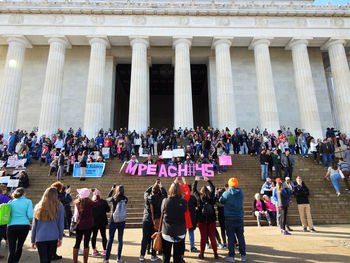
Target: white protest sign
{"x": 167, "y": 154}
{"x": 4, "y": 179}
{"x": 13, "y": 183}
{"x": 178, "y": 153}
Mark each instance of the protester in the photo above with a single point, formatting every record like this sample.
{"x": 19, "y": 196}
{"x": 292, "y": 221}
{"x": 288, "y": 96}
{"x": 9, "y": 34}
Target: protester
{"x": 4, "y": 199}
{"x": 100, "y": 222}
{"x": 18, "y": 228}
{"x": 117, "y": 221}
{"x": 233, "y": 211}
{"x": 174, "y": 224}
{"x": 83, "y": 164}
{"x": 206, "y": 215}
{"x": 83, "y": 217}
{"x": 287, "y": 162}
{"x": 48, "y": 225}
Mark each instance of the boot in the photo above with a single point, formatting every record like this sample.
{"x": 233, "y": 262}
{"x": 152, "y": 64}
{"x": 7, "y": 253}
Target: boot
{"x": 75, "y": 255}
{"x": 86, "y": 255}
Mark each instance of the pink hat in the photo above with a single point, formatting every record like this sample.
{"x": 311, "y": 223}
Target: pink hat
{"x": 133, "y": 157}
{"x": 160, "y": 156}
{"x": 202, "y": 155}
{"x": 97, "y": 192}
{"x": 83, "y": 193}
{"x": 149, "y": 156}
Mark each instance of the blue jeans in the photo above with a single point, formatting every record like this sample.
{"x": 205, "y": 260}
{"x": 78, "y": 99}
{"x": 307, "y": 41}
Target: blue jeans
{"x": 244, "y": 148}
{"x": 263, "y": 171}
{"x": 304, "y": 150}
{"x": 335, "y": 178}
{"x": 206, "y": 153}
{"x": 191, "y": 237}
{"x": 227, "y": 148}
{"x": 292, "y": 149}
{"x": 112, "y": 228}
{"x": 235, "y": 226}
{"x": 327, "y": 160}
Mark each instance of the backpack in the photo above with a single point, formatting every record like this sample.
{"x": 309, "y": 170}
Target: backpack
{"x": 5, "y": 214}
{"x": 208, "y": 209}
{"x": 119, "y": 214}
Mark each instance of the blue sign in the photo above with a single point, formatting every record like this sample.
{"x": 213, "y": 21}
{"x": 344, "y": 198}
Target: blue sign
{"x": 91, "y": 170}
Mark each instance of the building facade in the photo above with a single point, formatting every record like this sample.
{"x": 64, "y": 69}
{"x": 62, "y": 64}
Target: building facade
{"x": 140, "y": 63}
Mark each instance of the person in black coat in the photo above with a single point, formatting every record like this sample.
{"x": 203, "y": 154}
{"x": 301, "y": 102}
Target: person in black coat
{"x": 206, "y": 215}
{"x": 192, "y": 208}
{"x": 100, "y": 222}
{"x": 301, "y": 193}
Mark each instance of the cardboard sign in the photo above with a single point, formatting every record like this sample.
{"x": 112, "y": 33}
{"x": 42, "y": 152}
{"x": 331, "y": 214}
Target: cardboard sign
{"x": 91, "y": 170}
{"x": 13, "y": 183}
{"x": 167, "y": 154}
{"x": 225, "y": 160}
{"x": 105, "y": 152}
{"x": 178, "y": 153}
{"x": 11, "y": 162}
{"x": 4, "y": 179}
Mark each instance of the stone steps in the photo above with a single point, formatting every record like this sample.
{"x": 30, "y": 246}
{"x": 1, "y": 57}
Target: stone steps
{"x": 325, "y": 206}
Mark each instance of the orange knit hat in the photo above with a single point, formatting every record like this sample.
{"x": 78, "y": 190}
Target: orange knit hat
{"x": 233, "y": 182}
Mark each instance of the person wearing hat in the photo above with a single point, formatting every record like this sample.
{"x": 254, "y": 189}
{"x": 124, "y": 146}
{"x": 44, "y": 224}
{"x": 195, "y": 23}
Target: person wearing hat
{"x": 233, "y": 212}
{"x": 267, "y": 187}
{"x": 149, "y": 160}
{"x": 83, "y": 217}
{"x": 100, "y": 222}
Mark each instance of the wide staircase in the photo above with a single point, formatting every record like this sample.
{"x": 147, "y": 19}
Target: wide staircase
{"x": 326, "y": 207}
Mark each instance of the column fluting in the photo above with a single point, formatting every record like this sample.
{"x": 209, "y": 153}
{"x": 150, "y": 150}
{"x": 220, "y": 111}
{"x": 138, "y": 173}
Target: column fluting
{"x": 11, "y": 83}
{"x": 183, "y": 109}
{"x": 93, "y": 120}
{"x": 51, "y": 98}
{"x": 268, "y": 112}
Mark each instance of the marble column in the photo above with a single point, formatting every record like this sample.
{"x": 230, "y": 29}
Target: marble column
{"x": 308, "y": 110}
{"x": 268, "y": 112}
{"x": 341, "y": 76}
{"x": 212, "y": 94}
{"x": 226, "y": 112}
{"x": 51, "y": 97}
{"x": 183, "y": 109}
{"x": 139, "y": 90}
{"x": 93, "y": 120}
{"x": 11, "y": 82}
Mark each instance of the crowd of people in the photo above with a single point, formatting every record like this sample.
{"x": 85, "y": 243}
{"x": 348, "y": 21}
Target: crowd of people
{"x": 175, "y": 212}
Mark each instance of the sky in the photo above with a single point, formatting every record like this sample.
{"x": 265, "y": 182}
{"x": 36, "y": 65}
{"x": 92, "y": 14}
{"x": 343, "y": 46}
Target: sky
{"x": 333, "y": 2}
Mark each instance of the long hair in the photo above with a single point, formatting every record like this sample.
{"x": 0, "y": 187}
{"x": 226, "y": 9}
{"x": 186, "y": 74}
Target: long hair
{"x": 335, "y": 165}
{"x": 279, "y": 186}
{"x": 175, "y": 190}
{"x": 119, "y": 191}
{"x": 49, "y": 205}
{"x": 18, "y": 193}
{"x": 205, "y": 192}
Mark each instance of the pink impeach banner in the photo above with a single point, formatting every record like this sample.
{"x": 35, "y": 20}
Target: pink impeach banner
{"x": 225, "y": 160}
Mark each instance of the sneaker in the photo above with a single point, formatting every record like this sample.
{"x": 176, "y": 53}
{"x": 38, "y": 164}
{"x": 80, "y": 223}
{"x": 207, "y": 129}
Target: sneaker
{"x": 142, "y": 258}
{"x": 244, "y": 258}
{"x": 286, "y": 233}
{"x": 119, "y": 260}
{"x": 81, "y": 252}
{"x": 155, "y": 258}
{"x": 221, "y": 246}
{"x": 229, "y": 259}
{"x": 106, "y": 261}
{"x": 194, "y": 249}
{"x": 282, "y": 231}
{"x": 305, "y": 229}
{"x": 224, "y": 246}
{"x": 95, "y": 253}
{"x": 201, "y": 256}
{"x": 312, "y": 230}
{"x": 338, "y": 194}
{"x": 216, "y": 256}
{"x": 259, "y": 225}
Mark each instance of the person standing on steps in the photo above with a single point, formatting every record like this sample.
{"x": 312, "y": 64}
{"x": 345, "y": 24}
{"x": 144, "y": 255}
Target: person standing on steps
{"x": 234, "y": 213}
{"x": 60, "y": 165}
{"x": 117, "y": 221}
{"x": 48, "y": 225}
{"x": 83, "y": 164}
{"x": 282, "y": 206}
{"x": 288, "y": 163}
{"x": 83, "y": 217}
{"x": 4, "y": 199}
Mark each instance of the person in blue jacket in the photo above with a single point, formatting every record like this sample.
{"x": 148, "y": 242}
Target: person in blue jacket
{"x": 18, "y": 228}
{"x": 233, "y": 212}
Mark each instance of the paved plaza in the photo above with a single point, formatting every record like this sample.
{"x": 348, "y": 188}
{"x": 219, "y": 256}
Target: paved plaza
{"x": 330, "y": 244}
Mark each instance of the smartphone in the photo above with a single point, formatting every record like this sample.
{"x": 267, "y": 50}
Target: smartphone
{"x": 114, "y": 186}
